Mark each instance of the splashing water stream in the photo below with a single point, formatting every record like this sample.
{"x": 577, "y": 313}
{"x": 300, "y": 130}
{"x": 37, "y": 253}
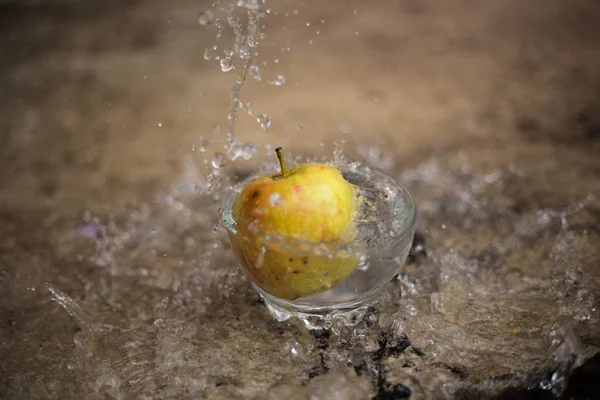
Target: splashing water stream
{"x": 245, "y": 44}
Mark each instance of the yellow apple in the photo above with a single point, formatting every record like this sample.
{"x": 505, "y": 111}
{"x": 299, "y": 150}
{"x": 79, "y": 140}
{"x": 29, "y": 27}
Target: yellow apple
{"x": 280, "y": 221}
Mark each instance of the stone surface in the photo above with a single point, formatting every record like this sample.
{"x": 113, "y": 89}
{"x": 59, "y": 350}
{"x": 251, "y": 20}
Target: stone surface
{"x": 114, "y": 285}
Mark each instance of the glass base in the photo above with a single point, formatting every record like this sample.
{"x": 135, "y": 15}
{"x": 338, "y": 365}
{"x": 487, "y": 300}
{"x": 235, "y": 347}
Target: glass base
{"x": 348, "y": 314}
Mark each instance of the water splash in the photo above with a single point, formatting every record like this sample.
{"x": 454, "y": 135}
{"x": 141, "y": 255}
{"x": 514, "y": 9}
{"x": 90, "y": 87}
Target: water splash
{"x": 83, "y": 319}
{"x": 247, "y": 36}
{"x": 245, "y": 151}
{"x": 243, "y": 47}
{"x": 462, "y": 307}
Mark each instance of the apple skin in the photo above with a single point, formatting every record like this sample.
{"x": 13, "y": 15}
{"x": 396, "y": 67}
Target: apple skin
{"x": 312, "y": 204}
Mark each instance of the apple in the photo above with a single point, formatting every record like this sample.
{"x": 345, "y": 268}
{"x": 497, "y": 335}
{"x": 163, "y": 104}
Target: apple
{"x": 282, "y": 219}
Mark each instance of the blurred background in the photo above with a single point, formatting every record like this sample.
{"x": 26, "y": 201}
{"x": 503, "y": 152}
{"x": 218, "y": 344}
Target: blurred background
{"x": 112, "y": 112}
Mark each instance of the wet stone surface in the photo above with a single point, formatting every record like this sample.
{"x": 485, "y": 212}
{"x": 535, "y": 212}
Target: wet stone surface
{"x": 114, "y": 284}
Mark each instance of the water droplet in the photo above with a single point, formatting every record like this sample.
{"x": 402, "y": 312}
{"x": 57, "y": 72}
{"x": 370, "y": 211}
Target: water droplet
{"x": 276, "y": 60}
{"x": 245, "y": 151}
{"x": 203, "y": 146}
{"x": 160, "y": 124}
{"x": 278, "y": 81}
{"x": 275, "y": 199}
{"x": 217, "y": 128}
{"x": 226, "y": 64}
{"x": 261, "y": 257}
{"x": 248, "y": 107}
{"x": 264, "y": 120}
{"x": 207, "y": 54}
{"x": 253, "y": 227}
{"x": 205, "y": 18}
{"x": 308, "y": 24}
{"x": 249, "y": 4}
{"x": 255, "y": 72}
{"x": 249, "y": 151}
{"x": 363, "y": 264}
{"x": 545, "y": 385}
{"x": 299, "y": 126}
{"x": 158, "y": 322}
{"x": 219, "y": 160}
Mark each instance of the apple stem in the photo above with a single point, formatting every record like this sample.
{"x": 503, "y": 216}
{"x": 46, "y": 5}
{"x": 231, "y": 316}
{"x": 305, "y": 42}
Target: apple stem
{"x": 281, "y": 158}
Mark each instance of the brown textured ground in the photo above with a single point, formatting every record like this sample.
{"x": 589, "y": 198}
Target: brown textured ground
{"x": 489, "y": 110}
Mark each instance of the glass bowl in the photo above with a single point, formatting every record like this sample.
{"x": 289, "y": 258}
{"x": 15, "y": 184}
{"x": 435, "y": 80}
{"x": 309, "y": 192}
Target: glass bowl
{"x": 348, "y": 277}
